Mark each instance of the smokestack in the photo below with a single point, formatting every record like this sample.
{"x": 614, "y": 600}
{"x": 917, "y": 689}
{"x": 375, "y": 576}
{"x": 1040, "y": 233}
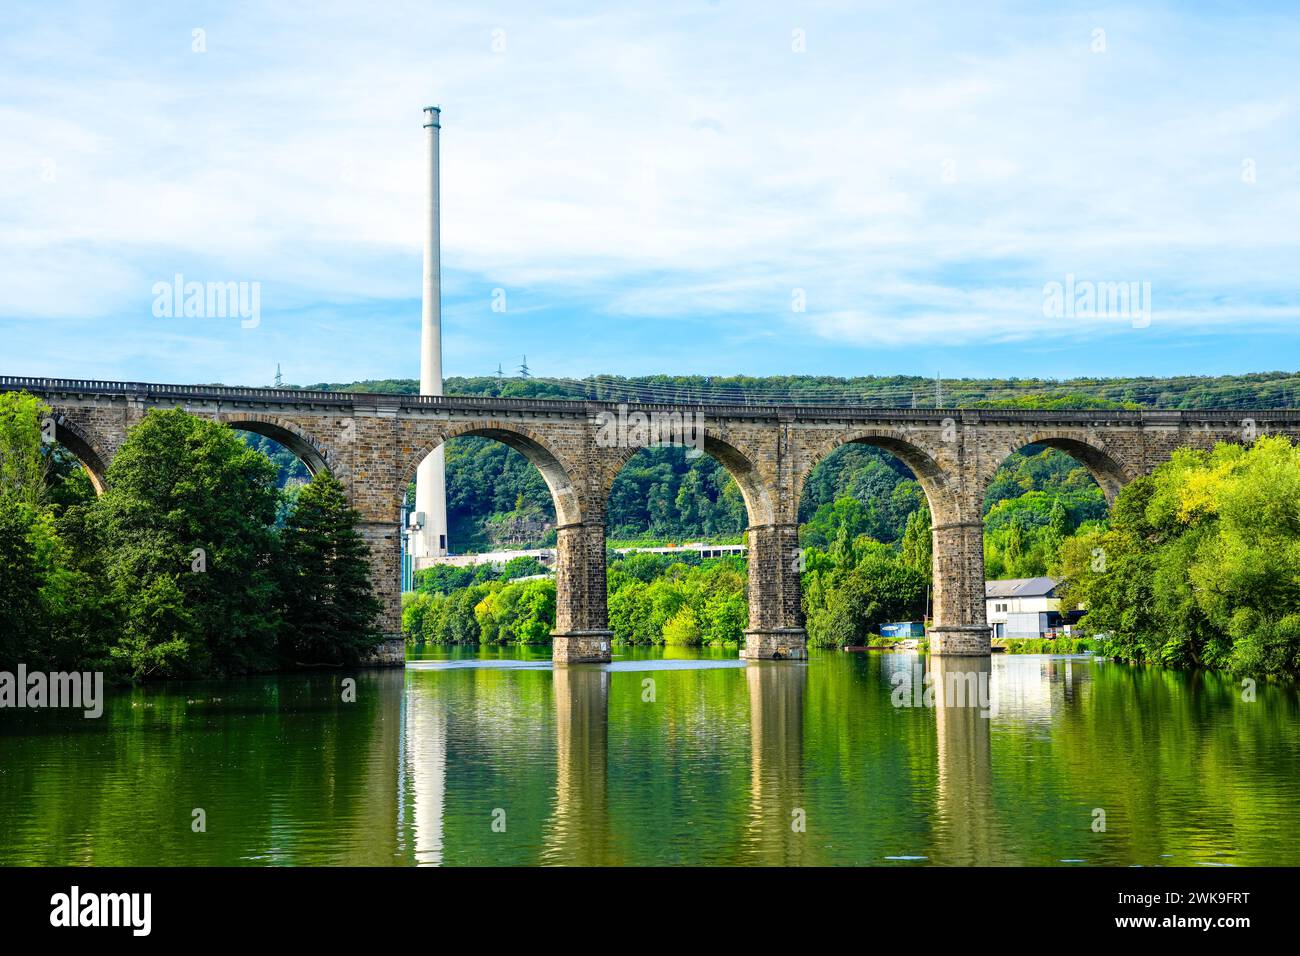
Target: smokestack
{"x": 430, "y": 480}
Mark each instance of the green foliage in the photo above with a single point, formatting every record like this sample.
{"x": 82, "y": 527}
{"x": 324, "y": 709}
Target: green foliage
{"x": 23, "y": 576}
{"x": 497, "y": 612}
{"x": 179, "y": 485}
{"x": 52, "y": 612}
{"x": 521, "y": 612}
{"x": 866, "y": 586}
{"x": 444, "y": 618}
{"x": 67, "y": 483}
{"x": 117, "y": 583}
{"x": 415, "y": 605}
{"x": 918, "y": 542}
{"x": 1035, "y": 501}
{"x": 882, "y": 486}
{"x": 456, "y": 623}
{"x": 290, "y": 469}
{"x": 1048, "y": 645}
{"x": 663, "y": 493}
{"x": 445, "y": 578}
{"x": 683, "y": 628}
{"x": 23, "y": 463}
{"x": 486, "y": 483}
{"x": 661, "y": 599}
{"x": 1198, "y": 565}
{"x": 646, "y": 566}
{"x": 329, "y": 610}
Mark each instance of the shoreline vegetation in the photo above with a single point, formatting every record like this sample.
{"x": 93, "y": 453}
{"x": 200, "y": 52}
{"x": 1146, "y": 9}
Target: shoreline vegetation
{"x": 1193, "y": 566}
{"x": 193, "y": 563}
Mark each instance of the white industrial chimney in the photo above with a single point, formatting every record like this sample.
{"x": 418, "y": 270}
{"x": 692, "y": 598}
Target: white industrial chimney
{"x": 430, "y": 540}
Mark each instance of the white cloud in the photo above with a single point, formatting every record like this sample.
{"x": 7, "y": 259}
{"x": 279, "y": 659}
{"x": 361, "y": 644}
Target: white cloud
{"x": 920, "y": 178}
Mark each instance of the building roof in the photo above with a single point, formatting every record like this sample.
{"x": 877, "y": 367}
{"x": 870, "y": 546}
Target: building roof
{"x": 1020, "y": 587}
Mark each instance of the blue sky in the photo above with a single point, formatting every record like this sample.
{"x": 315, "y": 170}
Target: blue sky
{"x": 653, "y": 189}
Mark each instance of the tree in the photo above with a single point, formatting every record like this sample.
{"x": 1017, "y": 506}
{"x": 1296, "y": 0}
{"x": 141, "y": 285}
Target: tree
{"x": 452, "y": 619}
{"x": 855, "y": 603}
{"x": 726, "y": 615}
{"x": 1015, "y": 549}
{"x": 186, "y": 530}
{"x": 918, "y": 542}
{"x": 53, "y": 613}
{"x": 683, "y": 628}
{"x": 329, "y": 608}
{"x": 1059, "y": 522}
{"x": 628, "y": 609}
{"x": 1198, "y": 565}
{"x": 415, "y": 607}
{"x": 521, "y": 612}
{"x": 22, "y": 576}
{"x": 536, "y": 611}
{"x": 23, "y": 461}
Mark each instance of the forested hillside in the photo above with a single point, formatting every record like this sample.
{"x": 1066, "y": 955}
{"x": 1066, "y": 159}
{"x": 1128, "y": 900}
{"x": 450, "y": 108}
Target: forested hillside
{"x": 1256, "y": 390}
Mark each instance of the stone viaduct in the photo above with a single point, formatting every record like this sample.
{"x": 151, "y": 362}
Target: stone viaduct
{"x": 374, "y": 442}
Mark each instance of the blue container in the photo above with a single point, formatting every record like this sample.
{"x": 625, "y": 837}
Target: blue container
{"x": 903, "y": 629}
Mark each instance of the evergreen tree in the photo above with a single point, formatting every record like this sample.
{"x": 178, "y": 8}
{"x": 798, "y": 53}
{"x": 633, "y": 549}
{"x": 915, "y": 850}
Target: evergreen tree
{"x": 329, "y": 609}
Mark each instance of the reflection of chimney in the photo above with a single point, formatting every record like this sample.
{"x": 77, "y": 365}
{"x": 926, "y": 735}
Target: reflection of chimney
{"x": 425, "y": 755}
{"x": 430, "y": 479}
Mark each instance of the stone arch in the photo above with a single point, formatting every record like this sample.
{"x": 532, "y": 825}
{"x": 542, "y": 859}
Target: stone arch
{"x": 1102, "y": 463}
{"x": 312, "y": 452}
{"x": 80, "y": 442}
{"x": 957, "y": 598}
{"x": 930, "y": 475}
{"x": 759, "y": 506}
{"x": 775, "y": 616}
{"x": 527, "y": 441}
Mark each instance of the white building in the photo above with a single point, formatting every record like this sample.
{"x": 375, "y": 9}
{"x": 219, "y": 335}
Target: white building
{"x": 1023, "y": 607}
{"x": 547, "y": 555}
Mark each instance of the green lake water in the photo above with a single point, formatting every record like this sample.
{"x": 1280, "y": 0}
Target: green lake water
{"x": 685, "y": 758}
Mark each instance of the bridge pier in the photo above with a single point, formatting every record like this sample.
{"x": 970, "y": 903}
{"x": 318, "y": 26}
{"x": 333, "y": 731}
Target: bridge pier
{"x": 961, "y": 629}
{"x": 385, "y": 579}
{"x": 776, "y": 628}
{"x": 582, "y": 634}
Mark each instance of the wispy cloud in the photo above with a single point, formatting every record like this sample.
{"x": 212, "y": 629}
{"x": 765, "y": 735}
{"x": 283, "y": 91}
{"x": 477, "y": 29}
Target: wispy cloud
{"x": 918, "y": 178}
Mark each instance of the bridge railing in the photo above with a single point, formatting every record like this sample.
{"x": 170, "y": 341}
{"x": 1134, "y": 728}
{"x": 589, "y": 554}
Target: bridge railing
{"x": 823, "y": 412}
{"x": 104, "y": 387}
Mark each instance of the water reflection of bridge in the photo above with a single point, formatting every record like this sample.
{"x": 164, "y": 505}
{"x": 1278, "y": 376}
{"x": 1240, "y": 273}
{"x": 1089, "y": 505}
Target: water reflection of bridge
{"x": 578, "y": 829}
